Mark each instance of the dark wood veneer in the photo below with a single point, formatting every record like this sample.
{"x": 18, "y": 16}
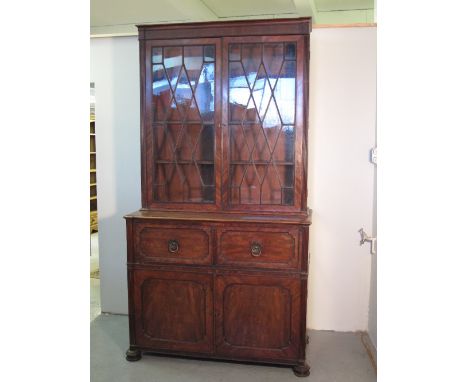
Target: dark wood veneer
{"x": 299, "y": 26}
{"x": 217, "y": 258}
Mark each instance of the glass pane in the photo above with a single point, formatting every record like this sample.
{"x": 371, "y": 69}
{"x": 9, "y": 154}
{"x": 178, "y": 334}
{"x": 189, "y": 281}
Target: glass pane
{"x": 234, "y": 52}
{"x": 251, "y": 59}
{"x": 284, "y": 150}
{"x": 262, "y": 98}
{"x": 261, "y": 92}
{"x": 285, "y": 92}
{"x": 239, "y": 149}
{"x": 193, "y": 62}
{"x": 285, "y": 175}
{"x": 204, "y": 149}
{"x": 273, "y": 59}
{"x": 173, "y": 63}
{"x": 271, "y": 187}
{"x": 250, "y": 187}
{"x": 162, "y": 94}
{"x": 239, "y": 92}
{"x": 204, "y": 93}
{"x": 290, "y": 51}
{"x": 183, "y": 146}
{"x": 288, "y": 196}
{"x": 157, "y": 55}
{"x": 209, "y": 54}
{"x": 163, "y": 143}
{"x": 183, "y": 94}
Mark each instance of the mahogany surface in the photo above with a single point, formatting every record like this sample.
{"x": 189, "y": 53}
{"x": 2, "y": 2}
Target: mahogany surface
{"x": 217, "y": 257}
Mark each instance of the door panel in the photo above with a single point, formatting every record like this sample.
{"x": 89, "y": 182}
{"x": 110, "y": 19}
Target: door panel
{"x": 264, "y": 117}
{"x": 183, "y": 109}
{"x": 257, "y": 316}
{"x": 173, "y": 310}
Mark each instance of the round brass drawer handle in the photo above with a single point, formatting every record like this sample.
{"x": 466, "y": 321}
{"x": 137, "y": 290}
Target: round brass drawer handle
{"x": 256, "y": 249}
{"x": 173, "y": 246}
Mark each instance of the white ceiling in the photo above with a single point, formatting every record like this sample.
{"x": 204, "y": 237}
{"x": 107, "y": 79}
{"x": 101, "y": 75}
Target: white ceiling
{"x": 118, "y": 17}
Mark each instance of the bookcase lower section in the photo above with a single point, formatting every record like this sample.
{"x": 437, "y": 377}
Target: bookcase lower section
{"x": 198, "y": 289}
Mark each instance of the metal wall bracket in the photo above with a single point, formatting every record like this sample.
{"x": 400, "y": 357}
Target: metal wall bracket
{"x": 372, "y": 240}
{"x": 373, "y": 155}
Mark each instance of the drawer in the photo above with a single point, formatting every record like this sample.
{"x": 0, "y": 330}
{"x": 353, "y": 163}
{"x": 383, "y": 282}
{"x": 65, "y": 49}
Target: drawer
{"x": 155, "y": 243}
{"x": 262, "y": 248}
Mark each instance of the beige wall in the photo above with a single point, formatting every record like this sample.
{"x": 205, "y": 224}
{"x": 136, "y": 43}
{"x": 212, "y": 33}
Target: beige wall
{"x": 342, "y": 120}
{"x": 341, "y": 187}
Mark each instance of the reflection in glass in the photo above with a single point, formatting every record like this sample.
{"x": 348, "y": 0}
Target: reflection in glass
{"x": 262, "y": 98}
{"x": 205, "y": 92}
{"x": 156, "y": 55}
{"x": 183, "y": 123}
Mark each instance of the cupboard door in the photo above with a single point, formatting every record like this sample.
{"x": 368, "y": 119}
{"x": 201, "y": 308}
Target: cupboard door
{"x": 257, "y": 317}
{"x": 173, "y": 310}
{"x": 264, "y": 81}
{"x": 180, "y": 136}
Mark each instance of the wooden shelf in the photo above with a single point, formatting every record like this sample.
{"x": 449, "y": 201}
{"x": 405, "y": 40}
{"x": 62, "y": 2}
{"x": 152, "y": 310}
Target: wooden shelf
{"x": 93, "y": 182}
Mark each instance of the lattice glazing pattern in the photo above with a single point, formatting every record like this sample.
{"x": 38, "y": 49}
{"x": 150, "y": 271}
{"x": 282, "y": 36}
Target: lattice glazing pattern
{"x": 262, "y": 97}
{"x": 183, "y": 123}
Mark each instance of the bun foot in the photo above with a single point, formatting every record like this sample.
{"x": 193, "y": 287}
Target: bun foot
{"x": 133, "y": 355}
{"x": 302, "y": 370}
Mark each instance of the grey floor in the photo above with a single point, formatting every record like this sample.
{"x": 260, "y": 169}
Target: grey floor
{"x": 334, "y": 357}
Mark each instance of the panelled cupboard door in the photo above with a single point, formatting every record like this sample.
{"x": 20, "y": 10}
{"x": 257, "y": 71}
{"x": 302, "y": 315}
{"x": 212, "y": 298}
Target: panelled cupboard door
{"x": 173, "y": 310}
{"x": 264, "y": 80}
{"x": 180, "y": 137}
{"x": 257, "y": 316}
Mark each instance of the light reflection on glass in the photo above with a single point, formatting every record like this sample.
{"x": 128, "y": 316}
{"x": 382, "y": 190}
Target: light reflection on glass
{"x": 183, "y": 83}
{"x": 285, "y": 94}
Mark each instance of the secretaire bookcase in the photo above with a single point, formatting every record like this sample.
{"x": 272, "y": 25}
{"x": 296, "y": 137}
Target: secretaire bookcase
{"x": 218, "y": 254}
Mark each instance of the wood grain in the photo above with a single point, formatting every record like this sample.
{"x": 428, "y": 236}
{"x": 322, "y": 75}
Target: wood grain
{"x": 152, "y": 243}
{"x": 257, "y": 316}
{"x": 279, "y": 247}
{"x": 173, "y": 310}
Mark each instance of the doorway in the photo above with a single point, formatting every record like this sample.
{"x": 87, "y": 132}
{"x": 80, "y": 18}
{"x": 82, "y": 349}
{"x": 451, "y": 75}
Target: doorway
{"x": 94, "y": 241}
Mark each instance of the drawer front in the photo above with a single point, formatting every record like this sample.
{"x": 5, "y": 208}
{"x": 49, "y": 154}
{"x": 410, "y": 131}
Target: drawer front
{"x": 156, "y": 243}
{"x": 259, "y": 247}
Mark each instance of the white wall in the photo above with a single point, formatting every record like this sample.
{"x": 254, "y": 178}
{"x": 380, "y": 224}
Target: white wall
{"x": 115, "y": 72}
{"x": 342, "y": 120}
{"x": 341, "y": 187}
{"x": 372, "y": 324}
